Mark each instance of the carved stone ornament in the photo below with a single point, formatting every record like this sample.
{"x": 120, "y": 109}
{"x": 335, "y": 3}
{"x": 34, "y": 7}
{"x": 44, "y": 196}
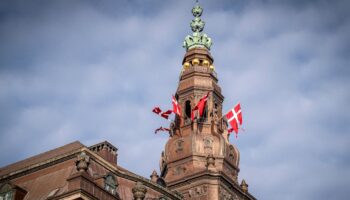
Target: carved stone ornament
{"x": 154, "y": 176}
{"x": 162, "y": 197}
{"x": 244, "y": 186}
{"x": 179, "y": 170}
{"x": 225, "y": 195}
{"x": 172, "y": 129}
{"x": 231, "y": 155}
{"x": 179, "y": 145}
{"x": 162, "y": 161}
{"x": 208, "y": 145}
{"x": 139, "y": 191}
{"x": 210, "y": 161}
{"x": 216, "y": 116}
{"x": 82, "y": 162}
{"x": 179, "y": 194}
{"x": 198, "y": 191}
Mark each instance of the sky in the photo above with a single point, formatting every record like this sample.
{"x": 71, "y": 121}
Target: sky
{"x": 93, "y": 70}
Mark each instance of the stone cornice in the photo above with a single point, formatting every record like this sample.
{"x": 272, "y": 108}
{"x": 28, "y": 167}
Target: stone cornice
{"x": 203, "y": 156}
{"x": 208, "y": 175}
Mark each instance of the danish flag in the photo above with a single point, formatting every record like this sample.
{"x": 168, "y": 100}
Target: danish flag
{"x": 176, "y": 107}
{"x": 161, "y": 129}
{"x": 157, "y": 110}
{"x": 234, "y": 117}
{"x": 166, "y": 114}
{"x": 200, "y": 106}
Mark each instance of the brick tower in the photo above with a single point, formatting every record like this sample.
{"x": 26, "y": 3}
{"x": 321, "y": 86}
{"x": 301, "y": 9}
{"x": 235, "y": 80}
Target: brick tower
{"x": 198, "y": 160}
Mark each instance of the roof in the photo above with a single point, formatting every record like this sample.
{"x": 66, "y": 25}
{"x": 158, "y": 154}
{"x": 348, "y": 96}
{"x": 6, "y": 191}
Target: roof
{"x": 40, "y": 157}
{"x": 48, "y": 178}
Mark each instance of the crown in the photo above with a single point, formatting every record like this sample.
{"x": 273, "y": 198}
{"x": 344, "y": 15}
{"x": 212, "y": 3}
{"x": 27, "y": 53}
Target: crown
{"x": 197, "y": 39}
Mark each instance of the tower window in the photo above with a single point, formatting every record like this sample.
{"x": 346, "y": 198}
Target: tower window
{"x": 205, "y": 114}
{"x": 188, "y": 109}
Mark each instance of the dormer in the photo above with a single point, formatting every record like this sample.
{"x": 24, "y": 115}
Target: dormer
{"x": 9, "y": 191}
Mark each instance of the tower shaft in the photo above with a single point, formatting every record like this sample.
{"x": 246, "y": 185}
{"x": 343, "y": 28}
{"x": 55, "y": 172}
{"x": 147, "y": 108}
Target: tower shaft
{"x": 198, "y": 160}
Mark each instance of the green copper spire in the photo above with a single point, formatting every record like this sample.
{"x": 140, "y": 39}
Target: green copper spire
{"x": 197, "y": 39}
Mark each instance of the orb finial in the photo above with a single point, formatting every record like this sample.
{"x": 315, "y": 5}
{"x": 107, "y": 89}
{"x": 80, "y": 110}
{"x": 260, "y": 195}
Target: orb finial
{"x": 197, "y": 10}
{"x": 197, "y": 39}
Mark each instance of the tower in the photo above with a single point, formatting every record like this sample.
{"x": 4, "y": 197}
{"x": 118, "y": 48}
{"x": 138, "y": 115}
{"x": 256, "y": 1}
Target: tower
{"x": 198, "y": 160}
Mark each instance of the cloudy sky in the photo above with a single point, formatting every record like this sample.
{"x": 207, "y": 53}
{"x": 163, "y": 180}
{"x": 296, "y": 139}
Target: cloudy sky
{"x": 92, "y": 71}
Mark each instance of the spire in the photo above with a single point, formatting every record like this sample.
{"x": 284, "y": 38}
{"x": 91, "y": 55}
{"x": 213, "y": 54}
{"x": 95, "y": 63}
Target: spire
{"x": 244, "y": 186}
{"x": 197, "y": 39}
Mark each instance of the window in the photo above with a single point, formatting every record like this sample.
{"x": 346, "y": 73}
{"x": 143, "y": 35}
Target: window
{"x": 205, "y": 115}
{"x": 188, "y": 109}
{"x": 6, "y": 192}
{"x": 110, "y": 184}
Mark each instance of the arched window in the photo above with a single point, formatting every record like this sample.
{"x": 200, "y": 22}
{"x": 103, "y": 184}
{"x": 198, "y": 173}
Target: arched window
{"x": 205, "y": 113}
{"x": 6, "y": 192}
{"x": 110, "y": 184}
{"x": 188, "y": 108}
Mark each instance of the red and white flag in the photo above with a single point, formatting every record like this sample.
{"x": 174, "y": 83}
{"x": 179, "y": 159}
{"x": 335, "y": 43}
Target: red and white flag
{"x": 166, "y": 114}
{"x": 157, "y": 110}
{"x": 234, "y": 117}
{"x": 176, "y": 107}
{"x": 161, "y": 129}
{"x": 200, "y": 106}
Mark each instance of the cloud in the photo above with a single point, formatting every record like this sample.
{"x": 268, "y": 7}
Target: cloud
{"x": 93, "y": 71}
{"x": 290, "y": 76}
